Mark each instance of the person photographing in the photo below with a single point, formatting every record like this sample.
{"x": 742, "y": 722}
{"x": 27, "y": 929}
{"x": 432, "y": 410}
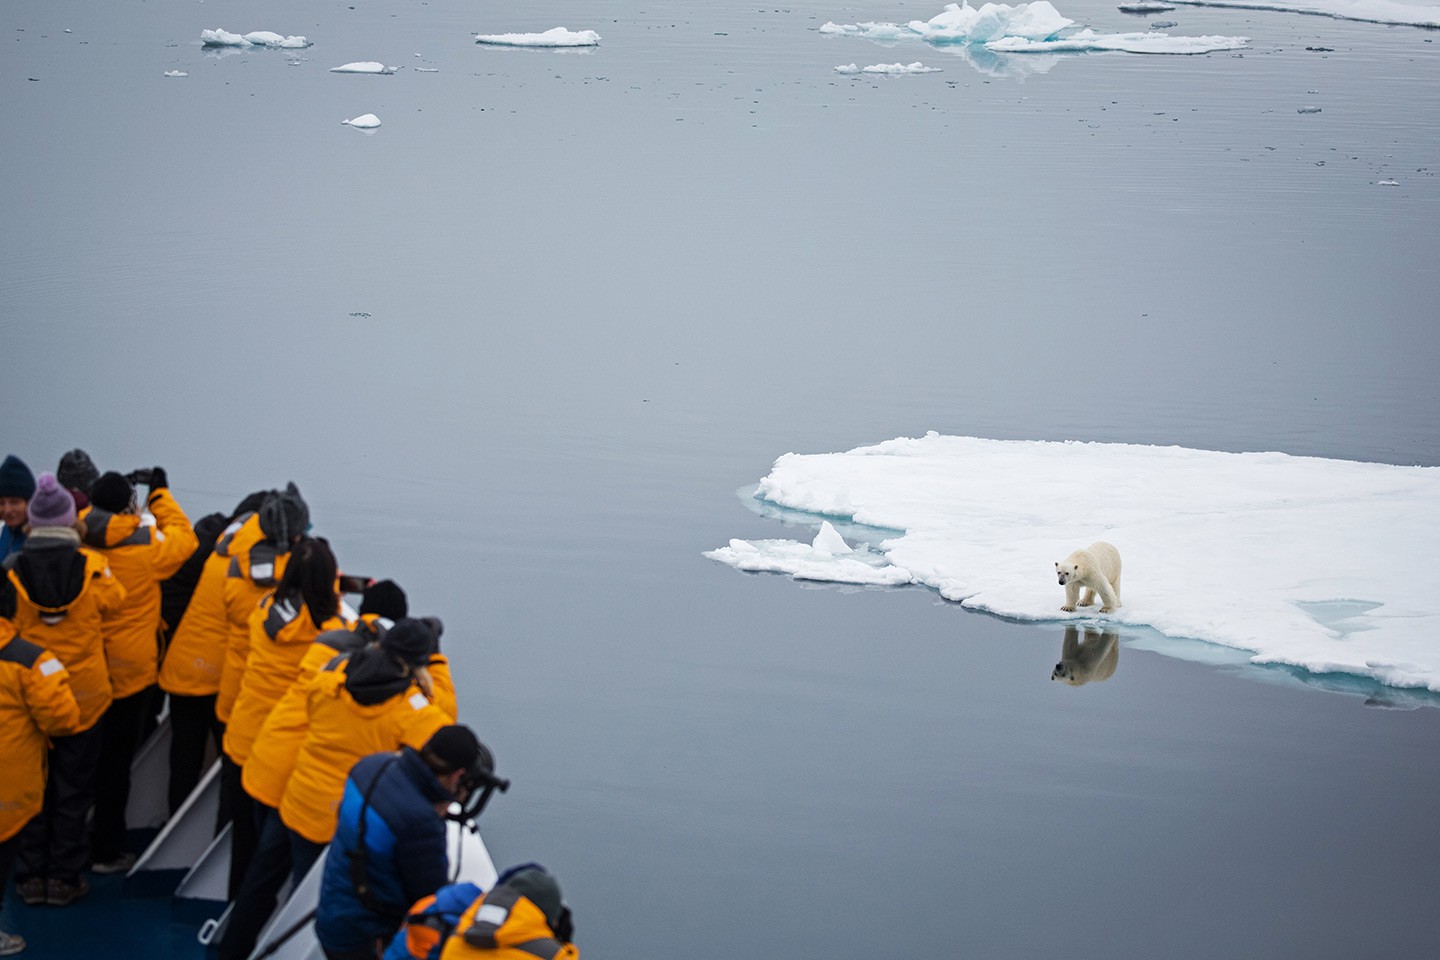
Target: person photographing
{"x": 389, "y": 844}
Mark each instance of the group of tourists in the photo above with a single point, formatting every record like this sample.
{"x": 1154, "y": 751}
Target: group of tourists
{"x": 330, "y": 731}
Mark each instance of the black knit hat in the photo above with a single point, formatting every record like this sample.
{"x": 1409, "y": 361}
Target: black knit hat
{"x": 112, "y": 492}
{"x": 410, "y": 640}
{"x": 385, "y": 598}
{"x": 458, "y": 748}
{"x": 77, "y": 471}
{"x": 16, "y": 479}
{"x": 284, "y": 516}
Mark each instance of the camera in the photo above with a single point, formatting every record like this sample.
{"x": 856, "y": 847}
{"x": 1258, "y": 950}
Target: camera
{"x": 144, "y": 475}
{"x": 349, "y": 584}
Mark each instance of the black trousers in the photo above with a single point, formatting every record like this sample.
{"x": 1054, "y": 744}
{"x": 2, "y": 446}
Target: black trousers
{"x": 56, "y": 844}
{"x": 259, "y": 891}
{"x": 8, "y": 849}
{"x": 119, "y": 737}
{"x": 244, "y": 833}
{"x": 192, "y": 724}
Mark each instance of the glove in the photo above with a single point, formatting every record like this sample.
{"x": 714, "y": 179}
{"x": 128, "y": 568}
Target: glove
{"x": 158, "y": 480}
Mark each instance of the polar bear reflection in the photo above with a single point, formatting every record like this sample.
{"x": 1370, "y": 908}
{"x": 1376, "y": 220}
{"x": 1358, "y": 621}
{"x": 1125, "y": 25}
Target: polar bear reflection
{"x": 1093, "y": 658}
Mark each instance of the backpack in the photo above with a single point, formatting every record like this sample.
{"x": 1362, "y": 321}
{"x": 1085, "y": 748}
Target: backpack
{"x": 429, "y": 923}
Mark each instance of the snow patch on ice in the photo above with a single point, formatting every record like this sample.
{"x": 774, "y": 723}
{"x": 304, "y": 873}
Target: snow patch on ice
{"x": 1311, "y": 563}
{"x": 554, "y": 37}
{"x": 889, "y": 69}
{"x": 364, "y": 66}
{"x": 257, "y": 38}
{"x": 1369, "y": 11}
{"x": 1088, "y": 41}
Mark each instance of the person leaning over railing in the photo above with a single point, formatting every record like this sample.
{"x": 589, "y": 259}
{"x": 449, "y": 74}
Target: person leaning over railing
{"x": 140, "y": 556}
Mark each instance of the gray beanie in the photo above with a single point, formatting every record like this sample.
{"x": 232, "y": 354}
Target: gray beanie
{"x": 77, "y": 471}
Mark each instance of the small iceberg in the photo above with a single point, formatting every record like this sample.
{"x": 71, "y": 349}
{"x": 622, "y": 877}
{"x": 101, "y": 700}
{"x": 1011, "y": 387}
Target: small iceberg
{"x": 829, "y": 558}
{"x": 1145, "y": 8}
{"x": 364, "y": 66}
{"x": 176, "y": 73}
{"x": 888, "y": 69}
{"x": 1026, "y": 28}
{"x": 258, "y": 38}
{"x": 1307, "y": 109}
{"x": 554, "y": 37}
{"x": 366, "y": 121}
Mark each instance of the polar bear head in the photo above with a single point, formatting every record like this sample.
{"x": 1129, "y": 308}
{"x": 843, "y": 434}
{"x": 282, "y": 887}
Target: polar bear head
{"x": 1067, "y": 570}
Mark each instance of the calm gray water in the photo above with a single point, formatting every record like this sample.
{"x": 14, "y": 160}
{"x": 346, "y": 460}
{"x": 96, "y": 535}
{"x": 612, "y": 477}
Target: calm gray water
{"x": 520, "y": 346}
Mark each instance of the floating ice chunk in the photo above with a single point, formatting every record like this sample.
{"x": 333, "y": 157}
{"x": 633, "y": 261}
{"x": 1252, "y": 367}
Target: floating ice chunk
{"x": 1307, "y": 109}
{"x": 1144, "y": 7}
{"x": 1087, "y": 41}
{"x": 176, "y": 73}
{"x": 900, "y": 69}
{"x": 1162, "y": 24}
{"x": 805, "y": 561}
{"x": 847, "y": 68}
{"x": 554, "y": 37}
{"x": 1321, "y": 564}
{"x": 427, "y": 69}
{"x": 964, "y": 24}
{"x": 1387, "y": 183}
{"x": 364, "y": 66}
{"x": 366, "y": 121}
{"x": 258, "y": 38}
{"x": 870, "y": 31}
{"x": 1370, "y": 11}
{"x": 828, "y": 540}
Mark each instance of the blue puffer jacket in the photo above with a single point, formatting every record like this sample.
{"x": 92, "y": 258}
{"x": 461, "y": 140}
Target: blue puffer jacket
{"x": 405, "y": 855}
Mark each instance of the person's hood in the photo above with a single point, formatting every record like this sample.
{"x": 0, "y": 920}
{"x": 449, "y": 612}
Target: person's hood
{"x": 373, "y": 676}
{"x": 51, "y": 570}
{"x": 105, "y": 529}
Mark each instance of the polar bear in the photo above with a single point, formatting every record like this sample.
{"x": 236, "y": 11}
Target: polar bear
{"x": 1093, "y": 658}
{"x": 1097, "y": 570}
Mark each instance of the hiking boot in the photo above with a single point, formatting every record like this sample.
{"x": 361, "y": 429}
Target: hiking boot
{"x": 61, "y": 893}
{"x": 10, "y": 943}
{"x": 120, "y": 864}
{"x": 31, "y": 890}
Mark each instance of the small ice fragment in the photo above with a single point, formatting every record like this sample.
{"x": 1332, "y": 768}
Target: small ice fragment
{"x": 1387, "y": 183}
{"x": 829, "y": 541}
{"x": 427, "y": 69}
{"x": 366, "y": 121}
{"x": 1145, "y": 7}
{"x": 364, "y": 66}
{"x": 222, "y": 38}
{"x": 1307, "y": 110}
{"x": 176, "y": 73}
{"x": 68, "y": 30}
{"x": 554, "y": 37}
{"x": 1163, "y": 24}
{"x": 900, "y": 69}
{"x": 847, "y": 68}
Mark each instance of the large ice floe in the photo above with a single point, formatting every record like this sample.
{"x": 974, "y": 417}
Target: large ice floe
{"x": 1026, "y": 28}
{"x": 1369, "y": 11}
{"x": 1323, "y": 565}
{"x": 554, "y": 37}
{"x": 258, "y": 38}
{"x": 365, "y": 66}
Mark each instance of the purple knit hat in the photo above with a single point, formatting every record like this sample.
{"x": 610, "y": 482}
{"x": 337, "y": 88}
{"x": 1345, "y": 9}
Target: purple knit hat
{"x": 52, "y": 505}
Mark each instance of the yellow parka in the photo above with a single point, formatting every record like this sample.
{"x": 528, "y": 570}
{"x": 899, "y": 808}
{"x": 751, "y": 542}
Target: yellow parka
{"x": 140, "y": 557}
{"x": 341, "y": 731}
{"x": 35, "y": 703}
{"x": 280, "y": 635}
{"x": 75, "y": 633}
{"x": 252, "y": 574}
{"x": 196, "y": 654}
{"x": 277, "y": 746}
{"x": 506, "y": 926}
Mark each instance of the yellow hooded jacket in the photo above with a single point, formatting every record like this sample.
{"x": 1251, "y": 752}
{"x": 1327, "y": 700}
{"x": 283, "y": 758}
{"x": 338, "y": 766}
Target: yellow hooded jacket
{"x": 140, "y": 557}
{"x": 252, "y": 574}
{"x": 341, "y": 731}
{"x": 75, "y": 633}
{"x": 503, "y": 925}
{"x": 196, "y": 654}
{"x": 35, "y": 703}
{"x": 281, "y": 633}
